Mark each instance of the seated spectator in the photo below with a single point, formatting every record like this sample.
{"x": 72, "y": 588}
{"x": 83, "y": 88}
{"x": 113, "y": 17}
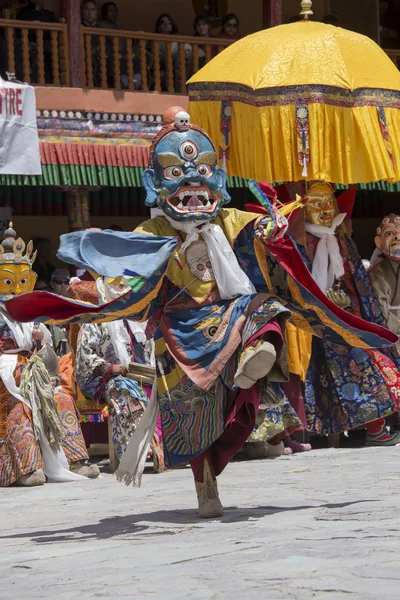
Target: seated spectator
{"x": 59, "y": 281}
{"x": 166, "y": 26}
{"x": 35, "y": 13}
{"x": 230, "y": 27}
{"x": 89, "y": 13}
{"x": 202, "y": 28}
{"x": 109, "y": 16}
{"x": 89, "y": 19}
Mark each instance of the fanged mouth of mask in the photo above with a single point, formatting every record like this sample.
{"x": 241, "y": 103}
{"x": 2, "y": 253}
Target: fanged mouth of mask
{"x": 192, "y": 200}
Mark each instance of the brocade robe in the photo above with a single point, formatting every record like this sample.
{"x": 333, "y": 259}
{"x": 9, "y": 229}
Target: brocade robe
{"x": 385, "y": 279}
{"x": 346, "y": 388}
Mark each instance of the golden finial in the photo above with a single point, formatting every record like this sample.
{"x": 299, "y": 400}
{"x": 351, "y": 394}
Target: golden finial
{"x": 306, "y": 9}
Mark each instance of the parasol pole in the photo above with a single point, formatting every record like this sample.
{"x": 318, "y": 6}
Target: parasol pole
{"x": 302, "y": 120}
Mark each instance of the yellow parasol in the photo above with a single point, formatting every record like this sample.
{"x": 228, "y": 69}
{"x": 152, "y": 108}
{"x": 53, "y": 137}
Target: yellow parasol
{"x": 302, "y": 101}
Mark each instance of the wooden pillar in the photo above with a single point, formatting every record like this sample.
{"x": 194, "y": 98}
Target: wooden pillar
{"x": 78, "y": 209}
{"x": 272, "y": 13}
{"x": 70, "y": 10}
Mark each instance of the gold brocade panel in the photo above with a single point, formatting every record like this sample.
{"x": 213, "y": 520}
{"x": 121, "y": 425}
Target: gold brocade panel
{"x": 346, "y": 144}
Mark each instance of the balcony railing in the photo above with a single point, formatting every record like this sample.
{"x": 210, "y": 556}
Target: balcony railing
{"x": 143, "y": 61}
{"x": 36, "y": 53}
{"x": 394, "y": 55}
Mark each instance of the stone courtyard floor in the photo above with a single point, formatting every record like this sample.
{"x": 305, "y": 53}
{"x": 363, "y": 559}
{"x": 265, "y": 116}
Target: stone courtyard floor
{"x": 323, "y": 525}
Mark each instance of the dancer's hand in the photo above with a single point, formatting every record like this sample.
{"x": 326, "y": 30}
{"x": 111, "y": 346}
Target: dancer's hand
{"x": 340, "y": 298}
{"x": 272, "y": 230}
{"x": 119, "y": 370}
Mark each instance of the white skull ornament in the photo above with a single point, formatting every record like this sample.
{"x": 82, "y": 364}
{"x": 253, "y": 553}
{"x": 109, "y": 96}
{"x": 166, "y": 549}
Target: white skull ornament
{"x": 199, "y": 261}
{"x": 182, "y": 121}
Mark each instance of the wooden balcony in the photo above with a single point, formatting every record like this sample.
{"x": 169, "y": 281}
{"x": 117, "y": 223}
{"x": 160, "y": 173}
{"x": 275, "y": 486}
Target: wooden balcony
{"x": 143, "y": 61}
{"x": 37, "y": 53}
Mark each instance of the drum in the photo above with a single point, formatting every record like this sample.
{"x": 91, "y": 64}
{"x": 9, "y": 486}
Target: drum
{"x": 143, "y": 374}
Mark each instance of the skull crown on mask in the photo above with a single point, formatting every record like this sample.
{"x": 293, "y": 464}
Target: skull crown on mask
{"x": 320, "y": 208}
{"x": 184, "y": 179}
{"x": 387, "y": 237}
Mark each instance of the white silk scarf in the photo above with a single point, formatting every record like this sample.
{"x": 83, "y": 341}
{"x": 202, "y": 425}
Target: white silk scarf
{"x": 231, "y": 280}
{"x": 328, "y": 262}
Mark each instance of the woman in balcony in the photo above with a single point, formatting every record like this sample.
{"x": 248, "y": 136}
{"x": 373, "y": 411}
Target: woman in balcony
{"x": 90, "y": 19}
{"x": 202, "y": 28}
{"x": 230, "y": 28}
{"x": 109, "y": 16}
{"x": 165, "y": 26}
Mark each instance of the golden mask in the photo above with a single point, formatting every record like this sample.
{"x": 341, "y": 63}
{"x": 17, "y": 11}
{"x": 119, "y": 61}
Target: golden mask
{"x": 321, "y": 207}
{"x": 16, "y": 275}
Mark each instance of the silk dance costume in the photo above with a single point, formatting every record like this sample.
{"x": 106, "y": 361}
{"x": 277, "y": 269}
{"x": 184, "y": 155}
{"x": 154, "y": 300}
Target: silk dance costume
{"x": 217, "y": 287}
{"x": 104, "y": 353}
{"x": 40, "y": 434}
{"x": 345, "y": 389}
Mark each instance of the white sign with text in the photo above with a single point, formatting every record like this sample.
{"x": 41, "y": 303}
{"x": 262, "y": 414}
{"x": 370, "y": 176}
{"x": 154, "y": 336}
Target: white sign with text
{"x": 19, "y": 141}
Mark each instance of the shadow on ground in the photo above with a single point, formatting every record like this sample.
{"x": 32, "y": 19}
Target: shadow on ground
{"x": 114, "y": 527}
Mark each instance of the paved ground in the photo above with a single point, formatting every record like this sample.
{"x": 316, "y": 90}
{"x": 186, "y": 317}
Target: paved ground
{"x": 322, "y": 525}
